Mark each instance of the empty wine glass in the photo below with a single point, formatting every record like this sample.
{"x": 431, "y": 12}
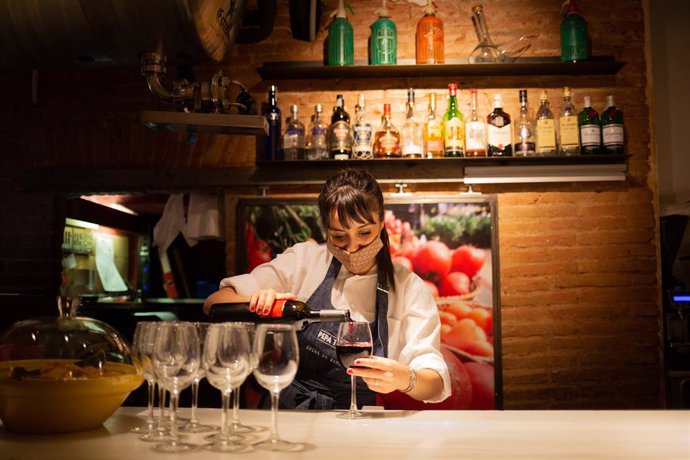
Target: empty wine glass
{"x": 353, "y": 342}
{"x": 226, "y": 358}
{"x": 277, "y": 357}
{"x": 236, "y": 427}
{"x": 139, "y": 346}
{"x": 194, "y": 426}
{"x": 176, "y": 358}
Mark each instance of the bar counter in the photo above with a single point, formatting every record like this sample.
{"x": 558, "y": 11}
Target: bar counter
{"x": 417, "y": 435}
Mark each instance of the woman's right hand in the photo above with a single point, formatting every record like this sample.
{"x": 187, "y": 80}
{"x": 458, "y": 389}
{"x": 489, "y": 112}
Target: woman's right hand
{"x": 262, "y": 301}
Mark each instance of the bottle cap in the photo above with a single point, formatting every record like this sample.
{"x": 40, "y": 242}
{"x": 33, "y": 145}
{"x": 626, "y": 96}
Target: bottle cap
{"x": 543, "y": 96}
{"x": 567, "y": 92}
{"x": 588, "y": 101}
{"x": 453, "y": 88}
{"x": 498, "y": 101}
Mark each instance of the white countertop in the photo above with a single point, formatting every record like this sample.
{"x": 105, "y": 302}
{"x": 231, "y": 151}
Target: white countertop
{"x": 484, "y": 435}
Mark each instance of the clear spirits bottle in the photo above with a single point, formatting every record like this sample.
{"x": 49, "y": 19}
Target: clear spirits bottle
{"x": 475, "y": 130}
{"x": 412, "y": 139}
{"x": 590, "y": 129}
{"x": 340, "y": 132}
{"x": 433, "y": 131}
{"x": 612, "y": 129}
{"x": 362, "y": 132}
{"x": 453, "y": 126}
{"x": 500, "y": 131}
{"x": 524, "y": 130}
{"x": 293, "y": 139}
{"x": 546, "y": 128}
{"x": 569, "y": 144}
{"x": 387, "y": 137}
{"x": 317, "y": 147}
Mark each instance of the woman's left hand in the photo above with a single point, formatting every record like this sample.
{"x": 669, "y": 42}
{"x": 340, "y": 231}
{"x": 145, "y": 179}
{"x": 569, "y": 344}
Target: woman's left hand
{"x": 382, "y": 375}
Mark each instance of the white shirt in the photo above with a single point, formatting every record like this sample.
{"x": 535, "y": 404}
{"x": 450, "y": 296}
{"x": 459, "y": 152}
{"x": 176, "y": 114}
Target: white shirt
{"x": 414, "y": 327}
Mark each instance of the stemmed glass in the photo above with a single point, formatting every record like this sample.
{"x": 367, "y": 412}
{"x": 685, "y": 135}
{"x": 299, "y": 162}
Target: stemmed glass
{"x": 236, "y": 427}
{"x": 226, "y": 358}
{"x": 353, "y": 342}
{"x": 277, "y": 357}
{"x": 176, "y": 358}
{"x": 139, "y": 347}
{"x": 194, "y": 426}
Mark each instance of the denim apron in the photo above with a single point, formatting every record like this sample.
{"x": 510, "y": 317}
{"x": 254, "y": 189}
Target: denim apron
{"x": 321, "y": 382}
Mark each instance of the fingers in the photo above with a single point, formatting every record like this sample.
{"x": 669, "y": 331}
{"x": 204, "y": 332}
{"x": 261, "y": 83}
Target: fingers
{"x": 262, "y": 301}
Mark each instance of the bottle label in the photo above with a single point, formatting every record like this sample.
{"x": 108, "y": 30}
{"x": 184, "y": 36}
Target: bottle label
{"x": 454, "y": 136}
{"x": 389, "y": 144}
{"x": 476, "y": 136}
{"x": 341, "y": 136}
{"x": 412, "y": 150}
{"x": 546, "y": 135}
{"x": 500, "y": 136}
{"x": 362, "y": 136}
{"x": 613, "y": 135}
{"x": 318, "y": 131}
{"x": 591, "y": 135}
{"x": 569, "y": 132}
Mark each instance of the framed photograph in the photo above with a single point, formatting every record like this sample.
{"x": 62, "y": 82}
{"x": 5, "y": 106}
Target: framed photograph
{"x": 451, "y": 242}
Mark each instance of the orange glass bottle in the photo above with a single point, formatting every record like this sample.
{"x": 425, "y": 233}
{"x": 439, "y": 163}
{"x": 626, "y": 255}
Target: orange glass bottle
{"x": 430, "y": 40}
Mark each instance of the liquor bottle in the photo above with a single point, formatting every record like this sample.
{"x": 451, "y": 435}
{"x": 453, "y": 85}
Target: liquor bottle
{"x": 574, "y": 46}
{"x": 524, "y": 130}
{"x": 590, "y": 129}
{"x": 412, "y": 138}
{"x": 569, "y": 142}
{"x": 429, "y": 40}
{"x": 500, "y": 131}
{"x": 341, "y": 43}
{"x": 362, "y": 132}
{"x": 282, "y": 311}
{"x": 387, "y": 137}
{"x": 475, "y": 131}
{"x": 433, "y": 131}
{"x": 271, "y": 112}
{"x": 383, "y": 42}
{"x": 293, "y": 139}
{"x": 485, "y": 52}
{"x": 339, "y": 133}
{"x": 453, "y": 126}
{"x": 612, "y": 131}
{"x": 546, "y": 128}
{"x": 317, "y": 145}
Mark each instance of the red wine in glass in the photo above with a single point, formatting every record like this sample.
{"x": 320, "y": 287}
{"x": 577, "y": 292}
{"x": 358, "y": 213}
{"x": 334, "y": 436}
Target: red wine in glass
{"x": 349, "y": 352}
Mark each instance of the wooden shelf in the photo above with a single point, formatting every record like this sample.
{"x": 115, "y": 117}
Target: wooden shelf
{"x": 205, "y": 123}
{"x": 542, "y": 66}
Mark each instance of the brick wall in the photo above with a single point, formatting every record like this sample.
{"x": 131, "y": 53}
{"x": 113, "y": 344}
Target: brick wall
{"x": 578, "y": 262}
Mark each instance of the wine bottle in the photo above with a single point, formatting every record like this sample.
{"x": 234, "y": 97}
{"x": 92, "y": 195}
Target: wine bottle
{"x": 524, "y": 130}
{"x": 271, "y": 112}
{"x": 612, "y": 132}
{"x": 340, "y": 134}
{"x": 453, "y": 126}
{"x": 569, "y": 142}
{"x": 590, "y": 129}
{"x": 500, "y": 131}
{"x": 475, "y": 130}
{"x": 383, "y": 42}
{"x": 546, "y": 128}
{"x": 433, "y": 131}
{"x": 282, "y": 311}
{"x": 429, "y": 41}
{"x": 412, "y": 139}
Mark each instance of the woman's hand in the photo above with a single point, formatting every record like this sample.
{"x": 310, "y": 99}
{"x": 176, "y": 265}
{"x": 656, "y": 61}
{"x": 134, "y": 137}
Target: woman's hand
{"x": 382, "y": 375}
{"x": 261, "y": 301}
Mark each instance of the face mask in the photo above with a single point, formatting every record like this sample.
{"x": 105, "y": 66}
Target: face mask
{"x": 361, "y": 260}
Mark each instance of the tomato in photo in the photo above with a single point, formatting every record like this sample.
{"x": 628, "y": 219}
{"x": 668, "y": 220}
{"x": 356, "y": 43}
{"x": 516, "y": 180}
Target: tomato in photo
{"x": 468, "y": 260}
{"x": 454, "y": 284}
{"x": 432, "y": 261}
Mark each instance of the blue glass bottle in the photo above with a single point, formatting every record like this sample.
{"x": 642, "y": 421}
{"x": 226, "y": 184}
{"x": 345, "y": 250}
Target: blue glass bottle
{"x": 271, "y": 112}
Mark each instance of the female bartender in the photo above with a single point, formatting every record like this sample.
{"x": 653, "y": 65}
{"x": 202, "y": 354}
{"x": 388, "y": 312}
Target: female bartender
{"x": 352, "y": 271}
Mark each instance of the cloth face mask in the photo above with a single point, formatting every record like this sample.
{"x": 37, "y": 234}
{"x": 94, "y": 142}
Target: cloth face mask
{"x": 357, "y": 262}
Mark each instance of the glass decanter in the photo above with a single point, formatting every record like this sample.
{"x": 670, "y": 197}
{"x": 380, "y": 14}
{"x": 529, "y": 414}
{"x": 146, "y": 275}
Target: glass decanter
{"x": 486, "y": 52}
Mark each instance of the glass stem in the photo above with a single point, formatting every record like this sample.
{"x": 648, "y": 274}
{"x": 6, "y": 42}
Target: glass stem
{"x": 225, "y": 403}
{"x": 195, "y": 401}
{"x": 151, "y": 398}
{"x": 173, "y": 415}
{"x": 353, "y": 394}
{"x": 274, "y": 416}
{"x": 236, "y": 407}
{"x": 161, "y": 407}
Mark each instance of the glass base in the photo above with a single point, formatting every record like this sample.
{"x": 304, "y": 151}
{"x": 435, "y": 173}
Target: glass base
{"x": 197, "y": 428}
{"x": 353, "y": 414}
{"x": 174, "y": 446}
{"x": 238, "y": 428}
{"x": 279, "y": 445}
{"x": 227, "y": 446}
{"x": 157, "y": 435}
{"x": 145, "y": 429}
{"x": 216, "y": 437}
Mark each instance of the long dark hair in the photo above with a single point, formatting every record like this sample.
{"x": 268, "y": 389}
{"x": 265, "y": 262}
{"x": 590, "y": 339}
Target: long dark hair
{"x": 356, "y": 196}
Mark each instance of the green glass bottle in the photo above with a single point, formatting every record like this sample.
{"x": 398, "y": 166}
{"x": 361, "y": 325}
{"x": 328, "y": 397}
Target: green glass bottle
{"x": 341, "y": 43}
{"x": 383, "y": 42}
{"x": 574, "y": 46}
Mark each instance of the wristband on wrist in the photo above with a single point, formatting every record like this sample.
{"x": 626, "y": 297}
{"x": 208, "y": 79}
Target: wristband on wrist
{"x": 413, "y": 381}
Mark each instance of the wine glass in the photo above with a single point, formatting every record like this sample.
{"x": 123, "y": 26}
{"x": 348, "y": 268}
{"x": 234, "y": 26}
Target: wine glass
{"x": 236, "y": 427}
{"x": 176, "y": 358}
{"x": 194, "y": 426}
{"x": 139, "y": 346}
{"x": 353, "y": 342}
{"x": 226, "y": 358}
{"x": 277, "y": 357}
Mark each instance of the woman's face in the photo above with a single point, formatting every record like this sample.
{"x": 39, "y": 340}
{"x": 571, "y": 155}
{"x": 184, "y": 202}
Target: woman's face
{"x": 357, "y": 236}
